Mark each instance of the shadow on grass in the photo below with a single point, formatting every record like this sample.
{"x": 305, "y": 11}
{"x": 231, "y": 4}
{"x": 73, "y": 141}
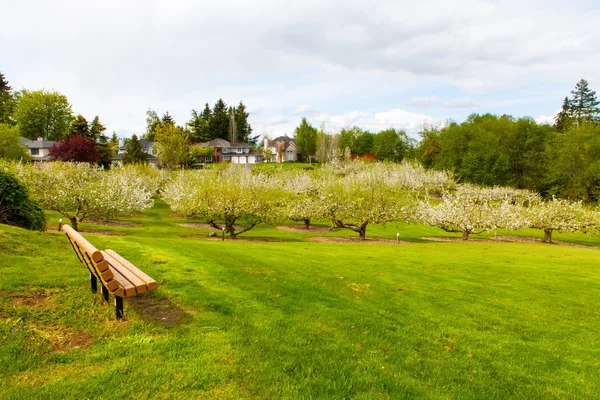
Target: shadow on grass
{"x": 160, "y": 310}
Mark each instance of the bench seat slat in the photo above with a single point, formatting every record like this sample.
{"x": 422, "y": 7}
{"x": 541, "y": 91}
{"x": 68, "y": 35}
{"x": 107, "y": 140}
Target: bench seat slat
{"x": 150, "y": 283}
{"x": 129, "y": 289}
{"x": 140, "y": 286}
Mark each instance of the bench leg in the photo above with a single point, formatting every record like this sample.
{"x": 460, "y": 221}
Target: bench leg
{"x": 93, "y": 283}
{"x": 105, "y": 293}
{"x": 119, "y": 307}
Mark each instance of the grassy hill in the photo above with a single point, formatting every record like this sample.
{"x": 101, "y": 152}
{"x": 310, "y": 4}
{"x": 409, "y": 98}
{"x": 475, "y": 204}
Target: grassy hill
{"x": 292, "y": 318}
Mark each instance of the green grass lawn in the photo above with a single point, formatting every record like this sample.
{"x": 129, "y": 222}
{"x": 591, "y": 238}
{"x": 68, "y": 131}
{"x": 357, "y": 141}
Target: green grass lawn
{"x": 297, "y": 319}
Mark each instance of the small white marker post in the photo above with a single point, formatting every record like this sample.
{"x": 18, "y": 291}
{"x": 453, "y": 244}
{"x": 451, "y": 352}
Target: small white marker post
{"x": 223, "y": 235}
{"x": 59, "y": 224}
{"x": 398, "y": 238}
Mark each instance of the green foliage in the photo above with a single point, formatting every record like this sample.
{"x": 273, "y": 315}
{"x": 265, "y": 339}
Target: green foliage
{"x": 152, "y": 120}
{"x": 490, "y": 150}
{"x": 16, "y": 206}
{"x": 243, "y": 128}
{"x": 79, "y": 127}
{"x": 96, "y": 129}
{"x": 168, "y": 119}
{"x": 391, "y": 145}
{"x": 199, "y": 125}
{"x": 306, "y": 139}
{"x": 41, "y": 113}
{"x": 134, "y": 153}
{"x": 173, "y": 145}
{"x": 8, "y": 102}
{"x": 219, "y": 122}
{"x": 584, "y": 104}
{"x": 107, "y": 151}
{"x": 10, "y": 144}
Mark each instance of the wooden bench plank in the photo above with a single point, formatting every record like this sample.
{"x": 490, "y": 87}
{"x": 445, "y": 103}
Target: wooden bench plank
{"x": 90, "y": 250}
{"x": 140, "y": 286}
{"x": 129, "y": 289}
{"x": 150, "y": 283}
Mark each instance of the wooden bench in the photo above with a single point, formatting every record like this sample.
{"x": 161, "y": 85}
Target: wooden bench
{"x": 117, "y": 275}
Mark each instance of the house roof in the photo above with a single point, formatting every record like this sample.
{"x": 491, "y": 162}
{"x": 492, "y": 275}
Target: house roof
{"x": 145, "y": 145}
{"x": 222, "y": 143}
{"x": 285, "y": 139}
{"x": 37, "y": 144}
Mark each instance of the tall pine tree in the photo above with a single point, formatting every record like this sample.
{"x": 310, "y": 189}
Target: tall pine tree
{"x": 79, "y": 126}
{"x": 564, "y": 119}
{"x": 244, "y": 130}
{"x": 106, "y": 151}
{"x": 134, "y": 153}
{"x": 168, "y": 119}
{"x": 7, "y": 102}
{"x": 584, "y": 104}
{"x": 96, "y": 129}
{"x": 219, "y": 123}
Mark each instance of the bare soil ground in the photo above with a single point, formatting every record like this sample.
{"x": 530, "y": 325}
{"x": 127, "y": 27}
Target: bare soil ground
{"x": 301, "y": 228}
{"x": 330, "y": 239}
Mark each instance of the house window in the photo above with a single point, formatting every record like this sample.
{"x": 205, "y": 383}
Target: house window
{"x": 35, "y": 152}
{"x": 290, "y": 156}
{"x": 238, "y": 150}
{"x": 226, "y": 158}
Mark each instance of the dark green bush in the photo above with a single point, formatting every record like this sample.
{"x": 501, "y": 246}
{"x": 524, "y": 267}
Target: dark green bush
{"x": 16, "y": 207}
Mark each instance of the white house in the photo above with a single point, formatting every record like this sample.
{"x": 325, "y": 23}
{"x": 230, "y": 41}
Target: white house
{"x": 282, "y": 148}
{"x": 233, "y": 152}
{"x": 39, "y": 149}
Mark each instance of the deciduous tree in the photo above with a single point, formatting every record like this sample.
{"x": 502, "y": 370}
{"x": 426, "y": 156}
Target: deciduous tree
{"x": 41, "y": 113}
{"x": 306, "y": 139}
{"x": 75, "y": 148}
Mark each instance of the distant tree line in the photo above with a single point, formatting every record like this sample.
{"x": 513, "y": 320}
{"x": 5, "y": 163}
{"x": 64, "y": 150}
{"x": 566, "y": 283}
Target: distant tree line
{"x": 561, "y": 160}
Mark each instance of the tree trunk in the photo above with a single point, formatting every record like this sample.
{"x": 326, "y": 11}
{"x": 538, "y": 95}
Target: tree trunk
{"x": 362, "y": 232}
{"x": 74, "y": 221}
{"x": 465, "y": 235}
{"x": 307, "y": 223}
{"x": 547, "y": 235}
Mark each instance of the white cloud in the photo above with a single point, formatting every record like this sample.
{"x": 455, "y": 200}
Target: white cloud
{"x": 306, "y": 109}
{"x": 432, "y": 101}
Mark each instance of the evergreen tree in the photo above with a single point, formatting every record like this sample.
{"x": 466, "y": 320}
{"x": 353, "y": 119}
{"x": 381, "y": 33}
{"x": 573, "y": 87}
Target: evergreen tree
{"x": 219, "y": 123}
{"x": 244, "y": 130}
{"x": 584, "y": 104}
{"x": 97, "y": 129}
{"x": 4, "y": 86}
{"x": 114, "y": 140}
{"x": 7, "y": 102}
{"x": 106, "y": 151}
{"x": 564, "y": 118}
{"x": 134, "y": 153}
{"x": 200, "y": 125}
{"x": 79, "y": 126}
{"x": 168, "y": 119}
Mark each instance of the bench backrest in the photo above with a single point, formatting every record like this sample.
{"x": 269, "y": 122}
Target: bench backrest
{"x": 92, "y": 258}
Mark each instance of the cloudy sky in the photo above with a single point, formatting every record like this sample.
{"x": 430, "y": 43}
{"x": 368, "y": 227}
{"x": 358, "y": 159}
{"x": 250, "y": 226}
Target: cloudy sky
{"x": 375, "y": 64}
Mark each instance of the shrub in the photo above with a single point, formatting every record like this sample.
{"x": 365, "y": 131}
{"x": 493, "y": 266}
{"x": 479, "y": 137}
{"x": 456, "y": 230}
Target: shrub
{"x": 16, "y": 207}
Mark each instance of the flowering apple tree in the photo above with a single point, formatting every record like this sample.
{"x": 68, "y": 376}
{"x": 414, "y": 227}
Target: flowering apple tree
{"x": 225, "y": 198}
{"x": 560, "y": 215}
{"x": 474, "y": 209}
{"x": 80, "y": 191}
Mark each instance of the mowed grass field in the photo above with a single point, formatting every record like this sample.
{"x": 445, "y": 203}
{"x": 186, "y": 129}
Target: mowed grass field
{"x": 295, "y": 319}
